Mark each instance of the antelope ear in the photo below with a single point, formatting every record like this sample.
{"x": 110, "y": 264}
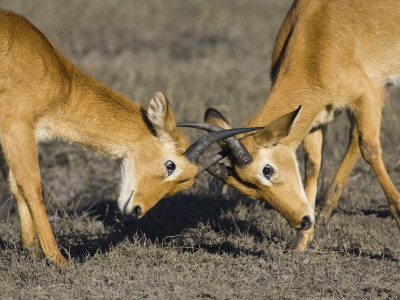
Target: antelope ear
{"x": 161, "y": 117}
{"x": 277, "y": 130}
{"x": 213, "y": 116}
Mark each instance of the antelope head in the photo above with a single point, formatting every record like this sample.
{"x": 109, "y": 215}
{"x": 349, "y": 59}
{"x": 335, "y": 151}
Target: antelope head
{"x": 165, "y": 163}
{"x": 262, "y": 167}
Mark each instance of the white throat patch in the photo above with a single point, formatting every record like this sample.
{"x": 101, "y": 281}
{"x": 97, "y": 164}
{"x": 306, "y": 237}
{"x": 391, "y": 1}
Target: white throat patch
{"x": 128, "y": 184}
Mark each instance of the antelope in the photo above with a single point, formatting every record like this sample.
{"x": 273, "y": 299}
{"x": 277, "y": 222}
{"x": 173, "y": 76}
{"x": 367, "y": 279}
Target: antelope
{"x": 43, "y": 96}
{"x": 329, "y": 56}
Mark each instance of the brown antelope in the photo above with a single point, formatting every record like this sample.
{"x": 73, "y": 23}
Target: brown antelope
{"x": 329, "y": 56}
{"x": 44, "y": 96}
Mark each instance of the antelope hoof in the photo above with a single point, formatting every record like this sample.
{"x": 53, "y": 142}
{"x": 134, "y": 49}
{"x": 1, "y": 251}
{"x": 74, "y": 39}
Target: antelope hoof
{"x": 34, "y": 250}
{"x": 37, "y": 253}
{"x": 325, "y": 212}
{"x": 60, "y": 261}
{"x": 303, "y": 238}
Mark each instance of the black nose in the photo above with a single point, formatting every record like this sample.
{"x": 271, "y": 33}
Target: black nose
{"x": 306, "y": 223}
{"x": 137, "y": 211}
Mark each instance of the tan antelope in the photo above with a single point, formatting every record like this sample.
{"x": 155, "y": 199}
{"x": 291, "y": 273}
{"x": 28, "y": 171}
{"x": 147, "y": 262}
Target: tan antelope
{"x": 329, "y": 56}
{"x": 43, "y": 96}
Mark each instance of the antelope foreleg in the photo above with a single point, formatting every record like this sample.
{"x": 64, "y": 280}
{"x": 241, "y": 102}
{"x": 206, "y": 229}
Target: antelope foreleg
{"x": 19, "y": 147}
{"x": 27, "y": 230}
{"x": 312, "y": 147}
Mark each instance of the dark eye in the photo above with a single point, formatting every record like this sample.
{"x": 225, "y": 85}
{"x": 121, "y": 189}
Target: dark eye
{"x": 170, "y": 167}
{"x": 268, "y": 171}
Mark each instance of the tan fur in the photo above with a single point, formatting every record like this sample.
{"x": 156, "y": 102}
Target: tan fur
{"x": 329, "y": 56}
{"x": 265, "y": 148}
{"x": 43, "y": 96}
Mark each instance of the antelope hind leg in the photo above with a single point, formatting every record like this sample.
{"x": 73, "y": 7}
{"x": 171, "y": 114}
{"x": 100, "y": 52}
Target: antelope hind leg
{"x": 368, "y": 121}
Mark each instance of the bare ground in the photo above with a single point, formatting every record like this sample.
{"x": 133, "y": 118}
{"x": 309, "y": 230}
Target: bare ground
{"x": 208, "y": 242}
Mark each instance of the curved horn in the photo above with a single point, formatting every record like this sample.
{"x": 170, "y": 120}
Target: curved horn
{"x": 196, "y": 150}
{"x": 211, "y": 165}
{"x": 204, "y": 126}
{"x": 242, "y": 156}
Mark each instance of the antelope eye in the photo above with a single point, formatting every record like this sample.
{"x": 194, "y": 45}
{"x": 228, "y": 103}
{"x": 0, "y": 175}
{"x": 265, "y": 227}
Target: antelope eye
{"x": 268, "y": 171}
{"x": 170, "y": 167}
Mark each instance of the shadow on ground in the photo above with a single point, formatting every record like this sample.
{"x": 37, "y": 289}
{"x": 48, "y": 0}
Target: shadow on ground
{"x": 165, "y": 223}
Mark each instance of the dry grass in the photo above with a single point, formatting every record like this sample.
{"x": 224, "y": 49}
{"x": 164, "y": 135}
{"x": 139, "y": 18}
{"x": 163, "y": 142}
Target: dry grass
{"x": 201, "y": 243}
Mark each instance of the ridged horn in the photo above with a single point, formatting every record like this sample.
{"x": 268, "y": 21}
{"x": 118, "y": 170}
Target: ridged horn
{"x": 210, "y": 163}
{"x": 196, "y": 150}
{"x": 240, "y": 153}
{"x": 220, "y": 171}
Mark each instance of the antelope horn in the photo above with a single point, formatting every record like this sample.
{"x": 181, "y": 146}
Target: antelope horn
{"x": 205, "y": 126}
{"x": 196, "y": 150}
{"x": 220, "y": 171}
{"x": 242, "y": 156}
{"x": 210, "y": 163}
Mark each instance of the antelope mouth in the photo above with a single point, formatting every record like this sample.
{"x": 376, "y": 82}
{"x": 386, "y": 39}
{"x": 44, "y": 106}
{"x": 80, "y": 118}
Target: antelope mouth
{"x": 306, "y": 223}
{"x": 126, "y": 211}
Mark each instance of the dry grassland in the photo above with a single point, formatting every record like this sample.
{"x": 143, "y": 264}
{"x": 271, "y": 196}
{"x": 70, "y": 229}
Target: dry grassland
{"x": 202, "y": 243}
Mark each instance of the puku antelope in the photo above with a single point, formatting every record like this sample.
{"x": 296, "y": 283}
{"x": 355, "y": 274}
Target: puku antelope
{"x": 329, "y": 56}
{"x": 44, "y": 96}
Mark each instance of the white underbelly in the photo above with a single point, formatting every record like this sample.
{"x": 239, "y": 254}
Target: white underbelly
{"x": 326, "y": 115}
{"x": 331, "y": 111}
{"x": 44, "y": 131}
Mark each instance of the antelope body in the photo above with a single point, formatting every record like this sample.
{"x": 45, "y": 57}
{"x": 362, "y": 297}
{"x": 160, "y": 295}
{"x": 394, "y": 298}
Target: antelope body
{"x": 329, "y": 56}
{"x": 44, "y": 96}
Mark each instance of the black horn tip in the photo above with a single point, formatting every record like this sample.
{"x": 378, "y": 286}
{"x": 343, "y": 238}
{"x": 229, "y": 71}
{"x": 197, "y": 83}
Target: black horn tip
{"x": 213, "y": 128}
{"x": 203, "y": 126}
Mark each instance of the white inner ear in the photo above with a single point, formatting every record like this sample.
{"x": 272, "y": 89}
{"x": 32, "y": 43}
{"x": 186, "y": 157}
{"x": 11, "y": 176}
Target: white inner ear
{"x": 128, "y": 183}
{"x": 155, "y": 113}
